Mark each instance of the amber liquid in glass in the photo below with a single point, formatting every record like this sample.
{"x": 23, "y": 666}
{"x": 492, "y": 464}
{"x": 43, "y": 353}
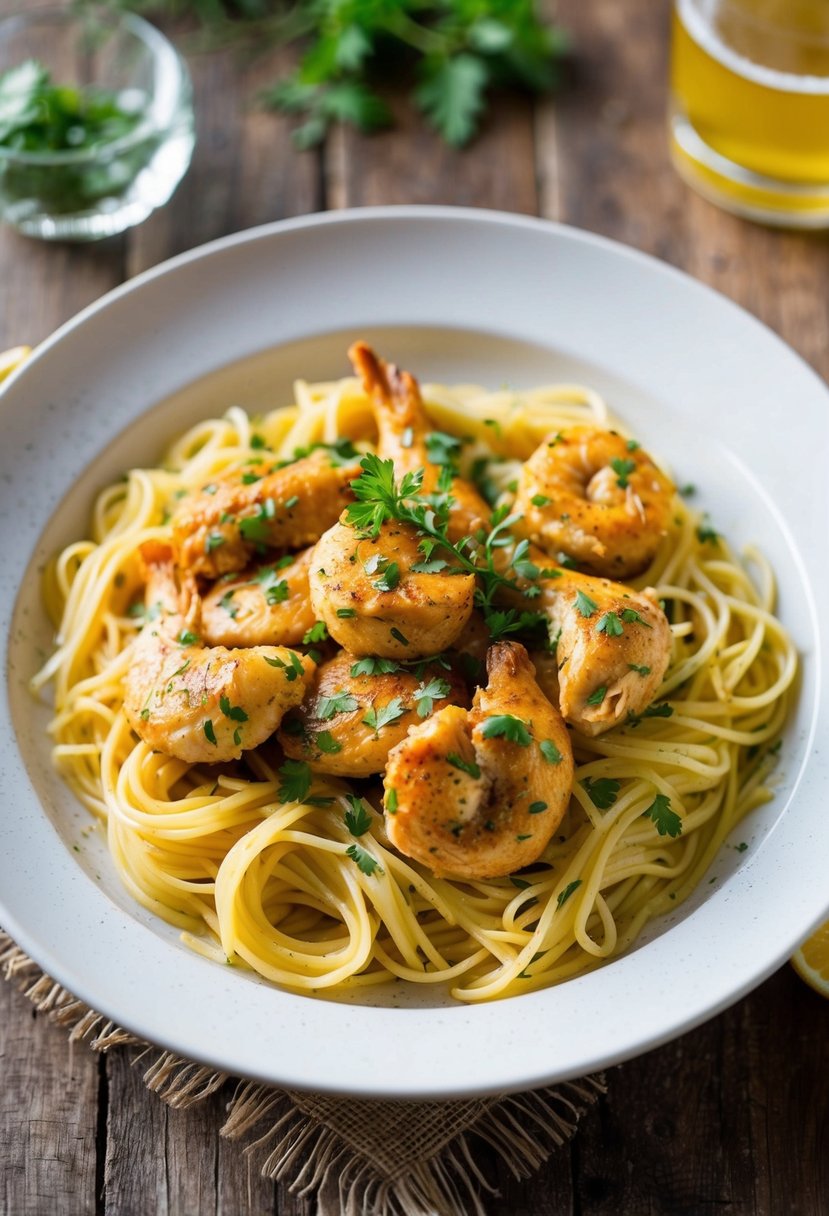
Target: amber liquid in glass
{"x": 750, "y": 105}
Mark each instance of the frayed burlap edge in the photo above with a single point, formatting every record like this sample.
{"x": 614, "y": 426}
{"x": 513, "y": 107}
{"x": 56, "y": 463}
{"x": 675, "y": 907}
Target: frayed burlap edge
{"x": 391, "y": 1158}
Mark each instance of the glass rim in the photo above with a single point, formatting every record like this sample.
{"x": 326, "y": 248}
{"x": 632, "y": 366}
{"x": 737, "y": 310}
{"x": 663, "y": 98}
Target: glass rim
{"x": 755, "y": 20}
{"x": 155, "y": 120}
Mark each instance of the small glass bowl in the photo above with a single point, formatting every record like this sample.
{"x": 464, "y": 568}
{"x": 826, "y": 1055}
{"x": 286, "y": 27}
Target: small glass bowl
{"x": 87, "y": 194}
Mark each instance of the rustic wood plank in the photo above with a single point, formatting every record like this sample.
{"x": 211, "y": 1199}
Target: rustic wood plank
{"x": 48, "y": 1114}
{"x": 410, "y": 163}
{"x": 244, "y": 170}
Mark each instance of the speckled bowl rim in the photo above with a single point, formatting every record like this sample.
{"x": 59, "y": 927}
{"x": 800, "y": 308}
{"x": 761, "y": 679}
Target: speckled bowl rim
{"x": 544, "y": 283}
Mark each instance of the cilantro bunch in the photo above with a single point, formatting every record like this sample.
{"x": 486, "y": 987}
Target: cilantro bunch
{"x": 451, "y": 53}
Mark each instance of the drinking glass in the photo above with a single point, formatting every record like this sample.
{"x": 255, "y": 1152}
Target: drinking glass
{"x": 88, "y": 193}
{"x": 749, "y": 111}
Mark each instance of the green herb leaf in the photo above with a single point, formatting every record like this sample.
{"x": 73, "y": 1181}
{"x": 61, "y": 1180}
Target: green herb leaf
{"x": 623, "y": 470}
{"x": 341, "y": 703}
{"x": 364, "y": 859}
{"x": 357, "y": 819}
{"x": 296, "y": 781}
{"x": 668, "y": 823}
{"x": 317, "y": 633}
{"x": 452, "y": 95}
{"x": 326, "y": 743}
{"x": 597, "y": 696}
{"x": 550, "y": 752}
{"x": 209, "y": 732}
{"x": 437, "y": 689}
{"x": 378, "y": 718}
{"x": 466, "y": 766}
{"x": 602, "y": 791}
{"x": 234, "y": 712}
{"x": 585, "y": 605}
{"x": 564, "y": 895}
{"x": 508, "y": 727}
{"x": 610, "y": 624}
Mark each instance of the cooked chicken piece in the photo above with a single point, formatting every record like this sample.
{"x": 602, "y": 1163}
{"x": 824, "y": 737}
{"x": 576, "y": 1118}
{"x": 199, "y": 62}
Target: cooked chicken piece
{"x": 596, "y": 496}
{"x": 612, "y": 645}
{"x": 220, "y": 529}
{"x": 203, "y": 704}
{"x": 403, "y": 431}
{"x": 375, "y": 602}
{"x": 264, "y": 605}
{"x": 357, "y": 709}
{"x": 478, "y": 793}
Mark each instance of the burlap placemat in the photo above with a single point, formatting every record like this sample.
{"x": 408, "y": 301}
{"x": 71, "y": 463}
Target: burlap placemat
{"x": 408, "y": 1158}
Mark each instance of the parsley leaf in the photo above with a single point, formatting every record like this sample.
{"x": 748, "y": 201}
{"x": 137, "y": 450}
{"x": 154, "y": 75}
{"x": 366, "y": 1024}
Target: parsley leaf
{"x": 389, "y": 579}
{"x": 508, "y": 727}
{"x": 466, "y": 766}
{"x": 610, "y": 624}
{"x": 366, "y": 863}
{"x": 327, "y": 743}
{"x": 437, "y": 689}
{"x": 341, "y": 703}
{"x": 623, "y": 470}
{"x": 370, "y": 666}
{"x": 564, "y": 895}
{"x": 378, "y": 718}
{"x": 317, "y": 633}
{"x": 549, "y": 751}
{"x": 668, "y": 823}
{"x": 296, "y": 781}
{"x": 357, "y": 818}
{"x": 585, "y": 605}
{"x": 602, "y": 791}
{"x": 234, "y": 712}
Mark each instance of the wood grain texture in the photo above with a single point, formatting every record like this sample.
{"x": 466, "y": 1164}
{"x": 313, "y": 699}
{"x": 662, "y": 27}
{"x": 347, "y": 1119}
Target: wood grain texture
{"x": 732, "y": 1118}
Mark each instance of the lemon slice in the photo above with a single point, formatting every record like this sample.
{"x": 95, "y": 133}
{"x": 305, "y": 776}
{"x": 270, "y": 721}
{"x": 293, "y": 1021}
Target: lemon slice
{"x": 811, "y": 961}
{"x": 10, "y": 359}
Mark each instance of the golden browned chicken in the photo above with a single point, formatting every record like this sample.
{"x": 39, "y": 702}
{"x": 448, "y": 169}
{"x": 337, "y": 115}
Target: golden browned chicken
{"x": 612, "y": 646}
{"x": 202, "y": 704}
{"x": 403, "y": 432}
{"x": 222, "y": 527}
{"x": 478, "y": 793}
{"x": 596, "y": 496}
{"x": 264, "y": 605}
{"x": 375, "y": 601}
{"x": 357, "y": 709}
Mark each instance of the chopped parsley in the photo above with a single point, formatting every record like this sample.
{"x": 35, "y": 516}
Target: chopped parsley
{"x": 507, "y": 727}
{"x": 399, "y": 637}
{"x": 388, "y": 579}
{"x": 466, "y": 766}
{"x": 602, "y": 792}
{"x": 610, "y": 624}
{"x": 378, "y": 718}
{"x": 370, "y": 666}
{"x": 623, "y": 470}
{"x": 341, "y": 703}
{"x": 234, "y": 712}
{"x": 187, "y": 638}
{"x": 550, "y": 752}
{"x": 443, "y": 449}
{"x": 540, "y": 500}
{"x": 668, "y": 823}
{"x": 536, "y": 808}
{"x": 209, "y": 732}
{"x": 437, "y": 689}
{"x": 631, "y": 616}
{"x": 327, "y": 743}
{"x": 317, "y": 633}
{"x": 255, "y": 528}
{"x": 598, "y": 695}
{"x": 346, "y": 613}
{"x": 364, "y": 860}
{"x": 642, "y": 671}
{"x": 296, "y": 781}
{"x": 564, "y": 895}
{"x": 357, "y": 818}
{"x": 585, "y": 605}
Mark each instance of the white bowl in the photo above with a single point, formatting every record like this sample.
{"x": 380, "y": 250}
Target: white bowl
{"x": 454, "y": 295}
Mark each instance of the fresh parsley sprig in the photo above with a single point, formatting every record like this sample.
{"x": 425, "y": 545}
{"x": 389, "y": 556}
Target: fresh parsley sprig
{"x": 380, "y": 497}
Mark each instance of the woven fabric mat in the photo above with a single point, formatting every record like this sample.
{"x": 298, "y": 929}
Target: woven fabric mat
{"x": 409, "y": 1158}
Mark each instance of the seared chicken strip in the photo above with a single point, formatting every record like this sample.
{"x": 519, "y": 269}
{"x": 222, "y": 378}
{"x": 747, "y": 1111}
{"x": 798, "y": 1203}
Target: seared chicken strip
{"x": 478, "y": 793}
{"x": 374, "y": 600}
{"x": 263, "y": 605}
{"x": 203, "y": 704}
{"x": 222, "y": 527}
{"x": 356, "y": 710}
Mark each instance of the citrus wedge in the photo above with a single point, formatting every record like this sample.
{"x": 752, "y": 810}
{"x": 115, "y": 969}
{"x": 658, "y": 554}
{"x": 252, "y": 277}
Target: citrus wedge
{"x": 10, "y": 359}
{"x": 811, "y": 961}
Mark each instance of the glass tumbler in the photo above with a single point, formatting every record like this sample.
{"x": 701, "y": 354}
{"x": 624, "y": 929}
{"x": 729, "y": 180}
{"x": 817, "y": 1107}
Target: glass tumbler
{"x": 749, "y": 110}
{"x": 83, "y": 194}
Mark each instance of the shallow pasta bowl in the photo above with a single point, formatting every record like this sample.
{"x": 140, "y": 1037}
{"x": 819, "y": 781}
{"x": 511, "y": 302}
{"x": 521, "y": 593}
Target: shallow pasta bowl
{"x": 456, "y": 296}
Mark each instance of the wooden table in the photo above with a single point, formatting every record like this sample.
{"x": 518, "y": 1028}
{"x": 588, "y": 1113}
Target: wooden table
{"x": 733, "y": 1117}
